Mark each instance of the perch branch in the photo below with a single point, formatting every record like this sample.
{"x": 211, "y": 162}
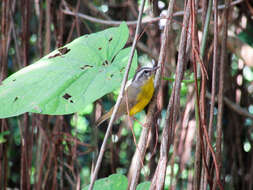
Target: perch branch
{"x": 123, "y": 84}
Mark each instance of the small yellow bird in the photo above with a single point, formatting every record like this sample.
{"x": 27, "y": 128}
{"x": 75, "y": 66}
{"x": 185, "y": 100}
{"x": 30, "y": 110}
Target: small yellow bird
{"x": 138, "y": 93}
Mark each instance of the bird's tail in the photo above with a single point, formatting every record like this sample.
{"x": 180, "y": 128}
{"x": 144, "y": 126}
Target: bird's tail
{"x": 103, "y": 118}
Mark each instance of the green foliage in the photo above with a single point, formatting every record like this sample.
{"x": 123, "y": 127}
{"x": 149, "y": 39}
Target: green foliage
{"x": 116, "y": 182}
{"x": 189, "y": 80}
{"x": 69, "y": 78}
{"x": 246, "y": 35}
{"x": 144, "y": 186}
{"x": 185, "y": 81}
{"x": 2, "y": 134}
{"x": 113, "y": 182}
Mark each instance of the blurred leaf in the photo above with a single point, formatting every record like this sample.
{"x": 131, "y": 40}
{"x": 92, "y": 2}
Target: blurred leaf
{"x": 186, "y": 81}
{"x": 69, "y": 78}
{"x": 80, "y": 123}
{"x": 2, "y": 134}
{"x": 113, "y": 182}
{"x": 248, "y": 73}
{"x": 144, "y": 186}
{"x": 87, "y": 110}
{"x": 246, "y": 37}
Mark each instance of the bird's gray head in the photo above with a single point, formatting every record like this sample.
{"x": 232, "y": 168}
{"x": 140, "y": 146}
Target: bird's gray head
{"x": 143, "y": 74}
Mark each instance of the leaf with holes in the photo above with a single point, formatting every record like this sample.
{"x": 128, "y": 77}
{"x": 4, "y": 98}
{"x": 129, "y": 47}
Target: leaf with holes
{"x": 69, "y": 78}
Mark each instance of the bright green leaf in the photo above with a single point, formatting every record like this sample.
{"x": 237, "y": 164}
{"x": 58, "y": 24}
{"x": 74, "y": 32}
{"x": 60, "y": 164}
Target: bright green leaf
{"x": 69, "y": 78}
{"x": 2, "y": 134}
{"x": 113, "y": 182}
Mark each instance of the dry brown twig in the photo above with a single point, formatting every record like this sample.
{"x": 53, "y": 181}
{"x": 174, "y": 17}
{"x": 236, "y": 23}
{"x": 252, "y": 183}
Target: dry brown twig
{"x": 123, "y": 84}
{"x": 136, "y": 162}
{"x": 215, "y": 59}
{"x": 221, "y": 90}
{"x": 145, "y": 20}
{"x": 172, "y": 108}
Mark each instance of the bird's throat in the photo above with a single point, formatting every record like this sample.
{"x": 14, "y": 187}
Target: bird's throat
{"x": 143, "y": 97}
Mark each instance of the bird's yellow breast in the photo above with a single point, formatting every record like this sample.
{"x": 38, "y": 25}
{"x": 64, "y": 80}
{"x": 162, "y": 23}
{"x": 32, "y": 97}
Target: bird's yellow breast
{"x": 143, "y": 97}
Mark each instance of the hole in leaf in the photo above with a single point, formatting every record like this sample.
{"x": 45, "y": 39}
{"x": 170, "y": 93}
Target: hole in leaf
{"x": 16, "y": 98}
{"x": 55, "y": 55}
{"x": 64, "y": 50}
{"x": 122, "y": 69}
{"x": 105, "y": 63}
{"x": 110, "y": 39}
{"x": 86, "y": 67}
{"x": 71, "y": 101}
{"x": 66, "y": 96}
{"x": 99, "y": 48}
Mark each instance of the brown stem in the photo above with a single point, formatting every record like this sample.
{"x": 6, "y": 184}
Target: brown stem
{"x": 172, "y": 109}
{"x": 221, "y": 90}
{"x": 215, "y": 59}
{"x": 109, "y": 128}
{"x": 145, "y": 21}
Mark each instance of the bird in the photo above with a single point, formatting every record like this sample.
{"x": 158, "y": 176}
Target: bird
{"x": 137, "y": 93}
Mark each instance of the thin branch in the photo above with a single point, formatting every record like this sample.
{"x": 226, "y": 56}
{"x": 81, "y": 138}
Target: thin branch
{"x": 235, "y": 107}
{"x": 145, "y": 20}
{"x": 137, "y": 160}
{"x": 108, "y": 22}
{"x": 48, "y": 27}
{"x": 201, "y": 146}
{"x": 14, "y": 34}
{"x": 198, "y": 109}
{"x": 202, "y": 120}
{"x": 123, "y": 84}
{"x": 215, "y": 59}
{"x": 172, "y": 108}
{"x": 206, "y": 27}
{"x": 221, "y": 90}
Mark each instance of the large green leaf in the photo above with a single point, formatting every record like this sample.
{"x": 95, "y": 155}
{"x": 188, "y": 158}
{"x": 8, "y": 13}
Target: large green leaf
{"x": 69, "y": 78}
{"x": 113, "y": 182}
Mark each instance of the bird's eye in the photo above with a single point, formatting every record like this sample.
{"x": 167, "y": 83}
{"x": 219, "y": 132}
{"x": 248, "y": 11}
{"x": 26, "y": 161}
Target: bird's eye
{"x": 146, "y": 72}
